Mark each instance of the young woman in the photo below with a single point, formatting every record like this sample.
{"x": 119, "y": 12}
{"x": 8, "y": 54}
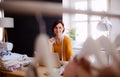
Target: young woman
{"x": 61, "y": 44}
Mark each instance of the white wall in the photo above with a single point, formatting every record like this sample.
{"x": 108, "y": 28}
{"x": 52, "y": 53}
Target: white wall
{"x": 114, "y": 8}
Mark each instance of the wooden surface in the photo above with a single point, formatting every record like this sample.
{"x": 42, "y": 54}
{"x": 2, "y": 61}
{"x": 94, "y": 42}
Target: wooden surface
{"x": 20, "y": 73}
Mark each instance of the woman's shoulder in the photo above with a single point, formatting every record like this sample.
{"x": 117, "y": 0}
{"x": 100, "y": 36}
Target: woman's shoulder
{"x": 67, "y": 38}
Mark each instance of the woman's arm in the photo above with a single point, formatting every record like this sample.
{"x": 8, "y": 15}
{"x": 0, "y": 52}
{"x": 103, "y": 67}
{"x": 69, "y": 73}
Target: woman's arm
{"x": 68, "y": 48}
{"x": 51, "y": 42}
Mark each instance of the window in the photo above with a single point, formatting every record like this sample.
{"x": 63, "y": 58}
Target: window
{"x": 1, "y": 30}
{"x": 85, "y": 25}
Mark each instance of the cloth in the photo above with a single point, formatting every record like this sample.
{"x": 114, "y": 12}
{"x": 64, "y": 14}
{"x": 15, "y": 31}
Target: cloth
{"x": 11, "y": 61}
{"x": 67, "y": 48}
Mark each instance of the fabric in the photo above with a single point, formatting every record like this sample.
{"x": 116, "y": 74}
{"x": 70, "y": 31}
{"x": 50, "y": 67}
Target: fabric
{"x": 67, "y": 48}
{"x": 12, "y": 61}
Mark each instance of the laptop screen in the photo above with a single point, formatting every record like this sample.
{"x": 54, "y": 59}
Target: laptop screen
{"x": 56, "y": 59}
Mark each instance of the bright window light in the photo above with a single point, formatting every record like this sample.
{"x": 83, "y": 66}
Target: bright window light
{"x": 82, "y": 5}
{"x": 85, "y": 25}
{"x": 95, "y": 18}
{"x": 99, "y": 5}
{"x": 81, "y": 31}
{"x": 1, "y": 29}
{"x": 95, "y": 33}
{"x": 79, "y": 17}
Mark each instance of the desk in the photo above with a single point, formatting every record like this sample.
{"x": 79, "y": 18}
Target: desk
{"x": 21, "y": 73}
{"x": 42, "y": 70}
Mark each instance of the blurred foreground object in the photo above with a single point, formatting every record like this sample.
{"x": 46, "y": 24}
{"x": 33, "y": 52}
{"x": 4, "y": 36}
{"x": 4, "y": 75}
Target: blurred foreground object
{"x": 78, "y": 68}
{"x": 35, "y": 7}
{"x": 42, "y": 55}
{"x": 86, "y": 68}
{"x": 117, "y": 42}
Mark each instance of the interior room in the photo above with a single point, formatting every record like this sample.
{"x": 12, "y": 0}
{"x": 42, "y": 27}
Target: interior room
{"x": 91, "y": 25}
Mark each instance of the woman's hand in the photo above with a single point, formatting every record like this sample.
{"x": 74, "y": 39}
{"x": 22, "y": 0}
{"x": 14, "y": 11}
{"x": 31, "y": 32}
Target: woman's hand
{"x": 78, "y": 68}
{"x": 52, "y": 40}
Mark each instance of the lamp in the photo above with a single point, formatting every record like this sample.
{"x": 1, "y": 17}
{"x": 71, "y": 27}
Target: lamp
{"x": 6, "y": 22}
{"x": 104, "y": 25}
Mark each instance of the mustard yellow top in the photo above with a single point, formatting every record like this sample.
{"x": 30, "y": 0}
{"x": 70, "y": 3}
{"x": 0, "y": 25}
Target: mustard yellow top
{"x": 67, "y": 48}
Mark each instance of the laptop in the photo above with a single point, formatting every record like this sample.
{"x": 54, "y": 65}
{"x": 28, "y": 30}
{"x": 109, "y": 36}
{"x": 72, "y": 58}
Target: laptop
{"x": 55, "y": 58}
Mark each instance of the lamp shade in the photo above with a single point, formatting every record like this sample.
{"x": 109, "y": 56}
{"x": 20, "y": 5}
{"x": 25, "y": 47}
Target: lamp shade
{"x": 6, "y": 22}
{"x": 104, "y": 25}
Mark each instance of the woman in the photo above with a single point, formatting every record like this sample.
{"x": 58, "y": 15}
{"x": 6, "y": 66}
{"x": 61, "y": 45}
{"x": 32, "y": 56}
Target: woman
{"x": 61, "y": 44}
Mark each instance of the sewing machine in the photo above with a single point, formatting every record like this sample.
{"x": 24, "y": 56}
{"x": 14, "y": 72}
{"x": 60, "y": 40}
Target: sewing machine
{"x": 5, "y": 46}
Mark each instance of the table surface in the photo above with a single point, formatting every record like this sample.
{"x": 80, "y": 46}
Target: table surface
{"x": 42, "y": 70}
{"x": 21, "y": 73}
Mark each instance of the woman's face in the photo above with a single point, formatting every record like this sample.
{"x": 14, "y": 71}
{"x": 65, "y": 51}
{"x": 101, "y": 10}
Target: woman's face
{"x": 58, "y": 29}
